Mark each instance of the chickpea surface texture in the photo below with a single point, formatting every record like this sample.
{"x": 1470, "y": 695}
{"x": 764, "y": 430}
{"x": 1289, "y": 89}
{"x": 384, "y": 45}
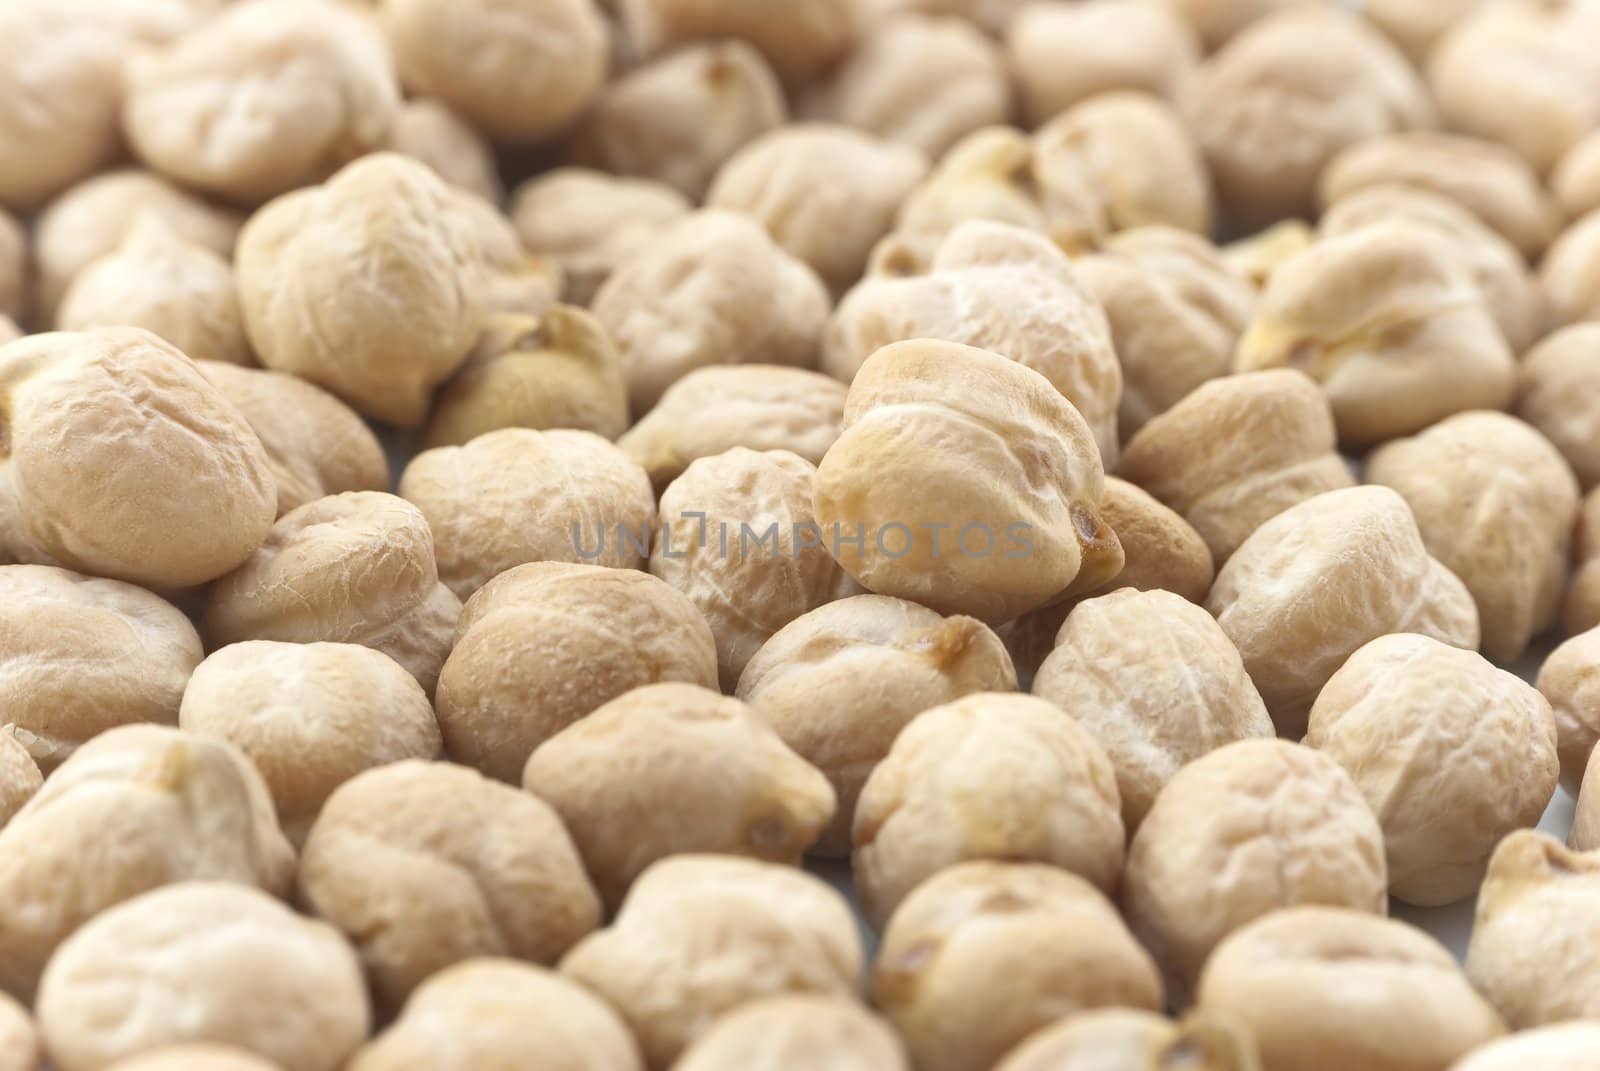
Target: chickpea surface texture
{"x": 428, "y": 130}
{"x": 797, "y": 1033}
{"x": 1559, "y": 394}
{"x": 1121, "y": 1039}
{"x": 1576, "y": 180}
{"x": 1570, "y": 680}
{"x": 1569, "y": 273}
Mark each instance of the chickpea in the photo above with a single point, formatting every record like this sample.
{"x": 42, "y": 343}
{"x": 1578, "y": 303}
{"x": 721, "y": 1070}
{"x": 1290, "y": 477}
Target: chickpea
{"x": 19, "y": 1042}
{"x": 19, "y": 775}
{"x": 1576, "y": 181}
{"x": 425, "y": 864}
{"x": 1328, "y": 988}
{"x": 797, "y": 1033}
{"x": 1219, "y": 21}
{"x": 201, "y": 1057}
{"x": 137, "y": 807}
{"x": 701, "y": 935}
{"x": 1569, "y": 275}
{"x": 799, "y": 40}
{"x": 1495, "y": 503}
{"x": 14, "y": 267}
{"x": 990, "y": 16}
{"x": 1580, "y": 610}
{"x": 428, "y": 130}
{"x": 1259, "y": 256}
{"x": 1568, "y": 1045}
{"x": 983, "y": 954}
{"x": 1585, "y": 835}
{"x": 203, "y": 961}
{"x": 518, "y": 282}
{"x": 1121, "y": 1039}
{"x": 1570, "y": 680}
{"x": 601, "y": 633}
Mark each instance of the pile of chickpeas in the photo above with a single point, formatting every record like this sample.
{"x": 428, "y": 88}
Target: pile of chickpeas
{"x": 821, "y": 535}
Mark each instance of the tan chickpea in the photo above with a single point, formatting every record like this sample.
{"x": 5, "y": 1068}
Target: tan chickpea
{"x": 204, "y": 961}
{"x": 14, "y": 267}
{"x": 1580, "y": 609}
{"x": 799, "y": 39}
{"x": 1570, "y": 680}
{"x": 1535, "y": 949}
{"x": 426, "y": 864}
{"x": 713, "y": 289}
{"x": 519, "y": 283}
{"x": 19, "y": 1041}
{"x": 997, "y": 287}
{"x": 500, "y": 1013}
{"x": 1157, "y": 684}
{"x": 349, "y": 568}
{"x": 1258, "y": 256}
{"x": 428, "y": 130}
{"x": 1416, "y": 26}
{"x": 1572, "y": 1046}
{"x": 315, "y": 78}
{"x": 1248, "y": 828}
{"x": 1480, "y": 749}
{"x": 678, "y": 118}
{"x": 1495, "y": 503}
{"x": 592, "y": 223}
{"x": 1287, "y": 95}
{"x": 1122, "y": 1039}
{"x": 19, "y": 775}
{"x": 1392, "y": 326}
{"x": 983, "y": 954}
{"x": 603, "y": 632}
{"x": 797, "y": 1033}
{"x": 1576, "y": 180}
{"x": 1569, "y": 275}
{"x": 137, "y": 807}
{"x": 1219, "y": 21}
{"x": 701, "y": 935}
{"x": 1328, "y": 988}
{"x": 919, "y": 80}
{"x": 200, "y": 1057}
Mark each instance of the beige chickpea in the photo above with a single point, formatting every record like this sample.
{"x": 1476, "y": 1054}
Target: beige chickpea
{"x": 983, "y": 954}
{"x": 19, "y": 1041}
{"x": 1391, "y": 324}
{"x": 1287, "y": 95}
{"x": 137, "y": 807}
{"x": 1570, "y": 680}
{"x": 997, "y": 287}
{"x": 310, "y": 717}
{"x": 1258, "y": 256}
{"x": 1571, "y": 1046}
{"x": 591, "y": 223}
{"x": 1569, "y": 275}
{"x": 349, "y": 568}
{"x": 428, "y": 130}
{"x": 1576, "y": 180}
{"x": 1122, "y": 1039}
{"x": 1585, "y": 833}
{"x": 93, "y": 218}
{"x": 920, "y": 80}
{"x": 712, "y": 289}
{"x": 1176, "y": 310}
{"x": 315, "y": 78}
{"x": 500, "y": 1013}
{"x": 1580, "y": 609}
{"x": 839, "y": 684}
{"x": 720, "y": 780}
{"x": 1451, "y": 753}
{"x": 1416, "y": 25}
{"x": 797, "y": 1033}
{"x": 426, "y": 864}
{"x": 1155, "y": 681}
{"x": 171, "y": 287}
{"x": 701, "y": 935}
{"x": 1248, "y": 828}
{"x": 180, "y": 490}
{"x": 798, "y": 39}
{"x": 1237, "y": 451}
{"x": 1523, "y": 74}
{"x": 1495, "y": 502}
{"x": 19, "y": 774}
{"x": 990, "y": 16}
{"x": 14, "y": 267}
{"x": 407, "y": 311}
{"x": 518, "y": 282}
{"x": 203, "y": 961}
{"x": 757, "y": 406}
{"x": 678, "y": 118}
{"x": 1329, "y": 988}
{"x": 1219, "y": 21}
{"x": 1535, "y": 949}
{"x": 200, "y": 1057}
{"x": 316, "y": 445}
{"x": 600, "y": 633}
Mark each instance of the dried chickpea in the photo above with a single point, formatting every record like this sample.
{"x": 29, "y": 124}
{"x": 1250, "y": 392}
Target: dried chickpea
{"x": 14, "y": 267}
{"x": 1176, "y": 310}
{"x": 314, "y": 78}
{"x": 1580, "y": 609}
{"x": 799, "y": 39}
{"x": 1260, "y": 255}
{"x": 825, "y": 192}
{"x": 1535, "y": 949}
{"x": 126, "y": 462}
{"x": 1156, "y": 683}
{"x": 1239, "y": 832}
{"x": 201, "y": 1057}
{"x": 1450, "y": 752}
{"x": 136, "y": 807}
{"x": 19, "y": 775}
{"x": 797, "y": 1033}
{"x": 598, "y": 632}
{"x": 493, "y": 1013}
{"x": 1391, "y": 324}
{"x": 591, "y": 223}
{"x": 1329, "y": 988}
{"x": 678, "y": 118}
{"x": 1576, "y": 181}
{"x": 425, "y": 864}
{"x": 1219, "y": 21}
{"x": 712, "y": 289}
{"x": 1287, "y": 95}
{"x": 701, "y": 935}
{"x": 983, "y": 954}
{"x": 383, "y": 329}
{"x": 1585, "y": 834}
{"x": 349, "y": 568}
{"x": 920, "y": 80}
{"x": 1416, "y": 25}
{"x": 1570, "y": 680}
{"x": 19, "y": 1042}
{"x": 1568, "y": 1046}
{"x": 1237, "y": 451}
{"x": 714, "y": 409}
{"x": 310, "y": 717}
{"x": 316, "y": 445}
{"x": 519, "y": 282}
{"x": 997, "y": 287}
{"x": 1569, "y": 275}
{"x": 720, "y": 780}
{"x": 167, "y": 285}
{"x": 518, "y": 72}
{"x": 203, "y": 961}
{"x": 1122, "y": 1039}
{"x": 426, "y": 129}
{"x": 1495, "y": 503}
